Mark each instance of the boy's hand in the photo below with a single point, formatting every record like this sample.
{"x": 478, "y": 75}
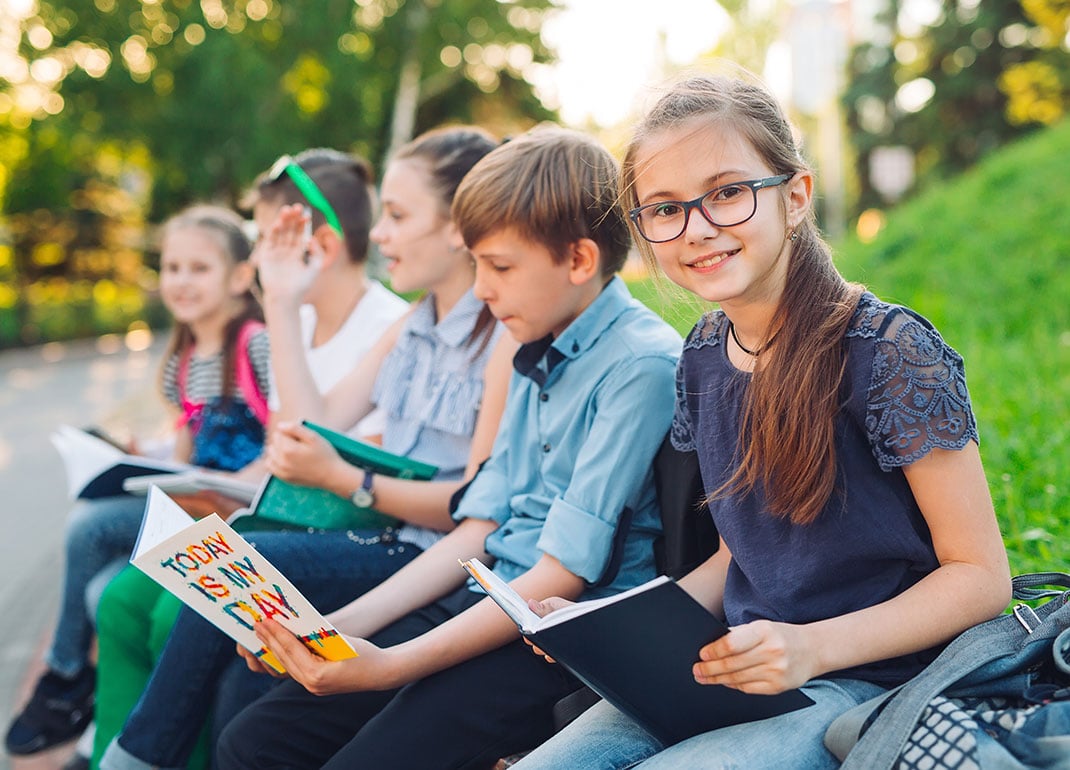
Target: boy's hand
{"x": 299, "y": 455}
{"x": 542, "y": 609}
{"x": 371, "y": 670}
{"x": 254, "y": 664}
{"x": 759, "y": 657}
{"x": 287, "y": 258}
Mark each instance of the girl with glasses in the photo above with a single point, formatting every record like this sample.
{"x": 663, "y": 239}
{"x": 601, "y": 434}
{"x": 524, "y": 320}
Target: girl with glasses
{"x": 835, "y": 438}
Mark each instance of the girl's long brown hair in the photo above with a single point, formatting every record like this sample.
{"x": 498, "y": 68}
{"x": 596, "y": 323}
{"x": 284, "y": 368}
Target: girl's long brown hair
{"x": 224, "y": 227}
{"x": 450, "y": 152}
{"x": 787, "y": 433}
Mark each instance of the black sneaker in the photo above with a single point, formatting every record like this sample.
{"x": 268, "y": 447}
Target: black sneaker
{"x": 77, "y": 762}
{"x": 59, "y": 710}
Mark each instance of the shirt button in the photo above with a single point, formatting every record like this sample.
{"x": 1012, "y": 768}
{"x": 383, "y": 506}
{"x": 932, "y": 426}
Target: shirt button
{"x": 544, "y": 396}
{"x": 546, "y": 447}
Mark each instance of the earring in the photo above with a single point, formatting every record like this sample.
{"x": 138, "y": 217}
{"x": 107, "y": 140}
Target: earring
{"x": 793, "y": 236}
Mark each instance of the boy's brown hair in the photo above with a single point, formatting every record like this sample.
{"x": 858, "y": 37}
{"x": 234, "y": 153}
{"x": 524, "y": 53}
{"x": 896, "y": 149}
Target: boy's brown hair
{"x": 551, "y": 186}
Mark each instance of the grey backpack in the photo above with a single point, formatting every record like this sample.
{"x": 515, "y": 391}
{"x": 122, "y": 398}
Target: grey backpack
{"x": 1006, "y": 680}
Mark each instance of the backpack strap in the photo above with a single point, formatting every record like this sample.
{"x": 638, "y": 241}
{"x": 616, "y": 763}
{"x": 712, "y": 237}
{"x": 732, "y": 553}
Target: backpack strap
{"x": 992, "y": 648}
{"x": 246, "y": 376}
{"x": 190, "y": 410}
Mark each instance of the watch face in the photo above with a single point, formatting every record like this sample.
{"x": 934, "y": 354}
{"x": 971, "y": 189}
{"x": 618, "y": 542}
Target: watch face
{"x": 363, "y": 498}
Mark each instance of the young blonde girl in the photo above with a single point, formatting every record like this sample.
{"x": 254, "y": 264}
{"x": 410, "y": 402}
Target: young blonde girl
{"x": 835, "y": 439}
{"x": 214, "y": 377}
{"x": 216, "y": 366}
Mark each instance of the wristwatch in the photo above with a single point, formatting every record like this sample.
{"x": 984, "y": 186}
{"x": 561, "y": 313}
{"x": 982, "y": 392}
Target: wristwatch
{"x": 364, "y": 497}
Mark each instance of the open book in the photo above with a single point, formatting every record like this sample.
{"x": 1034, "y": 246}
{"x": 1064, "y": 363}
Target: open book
{"x": 283, "y": 504}
{"x": 96, "y": 468}
{"x": 636, "y": 649}
{"x": 191, "y": 482}
{"x": 216, "y": 572}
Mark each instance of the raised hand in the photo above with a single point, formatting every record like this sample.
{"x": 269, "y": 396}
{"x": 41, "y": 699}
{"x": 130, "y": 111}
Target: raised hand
{"x": 287, "y": 257}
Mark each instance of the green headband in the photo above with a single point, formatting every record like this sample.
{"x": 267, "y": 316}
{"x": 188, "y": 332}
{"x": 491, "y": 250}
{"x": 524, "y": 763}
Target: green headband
{"x": 313, "y": 194}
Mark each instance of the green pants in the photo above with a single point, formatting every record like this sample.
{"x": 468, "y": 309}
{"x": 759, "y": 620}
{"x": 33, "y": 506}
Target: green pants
{"x": 134, "y": 619}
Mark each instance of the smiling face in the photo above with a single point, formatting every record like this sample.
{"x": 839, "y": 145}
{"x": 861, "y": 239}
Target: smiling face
{"x": 414, "y": 233}
{"x": 527, "y": 290}
{"x": 198, "y": 284}
{"x": 738, "y": 265}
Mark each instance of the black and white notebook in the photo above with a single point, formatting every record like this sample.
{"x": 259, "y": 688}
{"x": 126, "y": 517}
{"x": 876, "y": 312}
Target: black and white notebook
{"x": 636, "y": 650}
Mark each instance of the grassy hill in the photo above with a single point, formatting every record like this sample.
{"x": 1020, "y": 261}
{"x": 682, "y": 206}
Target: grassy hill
{"x": 986, "y": 257}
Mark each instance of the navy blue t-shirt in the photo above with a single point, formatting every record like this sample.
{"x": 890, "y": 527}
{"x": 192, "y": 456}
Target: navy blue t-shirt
{"x": 905, "y": 392}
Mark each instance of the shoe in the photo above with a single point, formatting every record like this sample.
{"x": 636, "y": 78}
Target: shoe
{"x": 76, "y": 762}
{"x": 59, "y": 710}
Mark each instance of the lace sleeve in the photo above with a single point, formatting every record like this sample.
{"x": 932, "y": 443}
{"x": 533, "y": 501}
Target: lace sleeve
{"x": 917, "y": 397}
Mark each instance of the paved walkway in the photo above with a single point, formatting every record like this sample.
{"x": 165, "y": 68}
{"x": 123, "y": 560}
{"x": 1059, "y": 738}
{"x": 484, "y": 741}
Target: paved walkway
{"x": 41, "y": 388}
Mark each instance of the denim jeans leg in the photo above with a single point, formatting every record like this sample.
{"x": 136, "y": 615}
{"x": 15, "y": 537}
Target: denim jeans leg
{"x": 328, "y": 568}
{"x": 601, "y": 738}
{"x": 97, "y": 532}
{"x": 794, "y": 740}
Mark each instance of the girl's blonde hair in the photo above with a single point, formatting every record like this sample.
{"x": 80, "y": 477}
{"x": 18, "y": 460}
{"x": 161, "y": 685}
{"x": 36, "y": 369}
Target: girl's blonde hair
{"x": 227, "y": 229}
{"x": 787, "y": 433}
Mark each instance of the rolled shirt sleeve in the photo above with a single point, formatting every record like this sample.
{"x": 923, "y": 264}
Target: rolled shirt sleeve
{"x": 632, "y": 412}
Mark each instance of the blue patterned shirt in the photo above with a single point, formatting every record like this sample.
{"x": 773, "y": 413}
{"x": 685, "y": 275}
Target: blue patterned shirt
{"x": 904, "y": 393}
{"x": 585, "y": 416}
{"x": 430, "y": 386}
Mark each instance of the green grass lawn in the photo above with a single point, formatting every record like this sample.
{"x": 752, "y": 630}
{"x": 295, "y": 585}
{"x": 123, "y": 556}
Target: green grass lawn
{"x": 986, "y": 257}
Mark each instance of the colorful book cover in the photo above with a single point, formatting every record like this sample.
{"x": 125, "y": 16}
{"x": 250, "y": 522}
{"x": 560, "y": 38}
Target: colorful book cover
{"x": 215, "y": 571}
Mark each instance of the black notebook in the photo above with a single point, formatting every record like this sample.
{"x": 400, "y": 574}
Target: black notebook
{"x": 636, "y": 649}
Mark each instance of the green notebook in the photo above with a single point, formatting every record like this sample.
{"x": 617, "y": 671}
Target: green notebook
{"x": 282, "y": 505}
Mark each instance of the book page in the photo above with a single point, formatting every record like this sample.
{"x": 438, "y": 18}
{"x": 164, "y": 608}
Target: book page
{"x": 516, "y": 607}
{"x": 192, "y": 482}
{"x": 87, "y": 458}
{"x": 215, "y": 571}
{"x": 84, "y": 457}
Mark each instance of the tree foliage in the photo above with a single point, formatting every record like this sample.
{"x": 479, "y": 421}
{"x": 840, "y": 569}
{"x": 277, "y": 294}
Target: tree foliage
{"x": 982, "y": 74}
{"x": 118, "y": 112}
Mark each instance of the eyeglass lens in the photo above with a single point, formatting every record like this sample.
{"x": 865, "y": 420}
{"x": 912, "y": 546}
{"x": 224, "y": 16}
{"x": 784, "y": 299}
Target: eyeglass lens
{"x": 724, "y": 207}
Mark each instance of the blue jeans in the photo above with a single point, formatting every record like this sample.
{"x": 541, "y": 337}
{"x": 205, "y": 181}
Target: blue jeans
{"x": 98, "y": 533}
{"x": 602, "y": 738}
{"x": 199, "y": 671}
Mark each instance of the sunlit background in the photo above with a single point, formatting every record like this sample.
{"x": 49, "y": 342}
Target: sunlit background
{"x": 115, "y": 113}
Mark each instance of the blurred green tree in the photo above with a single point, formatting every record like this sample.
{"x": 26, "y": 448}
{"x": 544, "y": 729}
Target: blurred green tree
{"x": 114, "y": 113}
{"x": 978, "y": 76}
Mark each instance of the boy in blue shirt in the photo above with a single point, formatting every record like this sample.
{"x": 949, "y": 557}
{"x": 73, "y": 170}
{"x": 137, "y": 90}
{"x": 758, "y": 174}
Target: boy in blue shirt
{"x": 565, "y": 505}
